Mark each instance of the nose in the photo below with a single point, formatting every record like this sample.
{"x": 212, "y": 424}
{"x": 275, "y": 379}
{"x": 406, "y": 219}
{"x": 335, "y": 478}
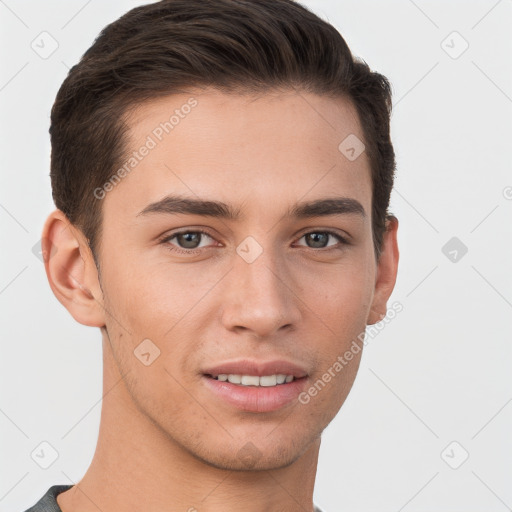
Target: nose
{"x": 261, "y": 297}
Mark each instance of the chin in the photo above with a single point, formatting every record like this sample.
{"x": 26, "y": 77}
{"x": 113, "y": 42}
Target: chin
{"x": 249, "y": 459}
{"x": 256, "y": 453}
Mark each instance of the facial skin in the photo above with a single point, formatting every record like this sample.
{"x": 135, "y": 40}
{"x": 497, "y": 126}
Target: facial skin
{"x": 165, "y": 439}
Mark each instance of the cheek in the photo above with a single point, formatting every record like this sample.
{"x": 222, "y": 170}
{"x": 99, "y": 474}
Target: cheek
{"x": 342, "y": 309}
{"x": 152, "y": 298}
{"x": 341, "y": 297}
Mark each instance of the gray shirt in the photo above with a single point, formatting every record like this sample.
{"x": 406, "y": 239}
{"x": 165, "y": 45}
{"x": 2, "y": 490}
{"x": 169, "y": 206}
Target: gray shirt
{"x": 48, "y": 503}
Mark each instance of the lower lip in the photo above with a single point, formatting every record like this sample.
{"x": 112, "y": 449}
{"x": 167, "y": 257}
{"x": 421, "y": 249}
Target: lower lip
{"x": 257, "y": 398}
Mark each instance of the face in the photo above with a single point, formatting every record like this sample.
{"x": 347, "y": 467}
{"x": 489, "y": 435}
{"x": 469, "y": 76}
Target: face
{"x": 273, "y": 288}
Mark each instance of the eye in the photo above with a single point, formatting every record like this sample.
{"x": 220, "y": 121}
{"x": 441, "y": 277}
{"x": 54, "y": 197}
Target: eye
{"x": 190, "y": 241}
{"x": 186, "y": 240}
{"x": 319, "y": 239}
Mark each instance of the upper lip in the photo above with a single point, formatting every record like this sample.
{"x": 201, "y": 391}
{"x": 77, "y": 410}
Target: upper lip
{"x": 256, "y": 368}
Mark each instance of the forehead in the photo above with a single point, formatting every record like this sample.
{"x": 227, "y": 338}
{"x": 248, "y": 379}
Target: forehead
{"x": 276, "y": 146}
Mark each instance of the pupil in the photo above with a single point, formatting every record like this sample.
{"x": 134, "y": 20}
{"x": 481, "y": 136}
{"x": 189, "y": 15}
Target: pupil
{"x": 187, "y": 237}
{"x": 316, "y": 236}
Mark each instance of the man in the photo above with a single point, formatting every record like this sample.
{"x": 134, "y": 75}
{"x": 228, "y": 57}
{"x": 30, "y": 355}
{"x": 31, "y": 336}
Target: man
{"x": 222, "y": 173}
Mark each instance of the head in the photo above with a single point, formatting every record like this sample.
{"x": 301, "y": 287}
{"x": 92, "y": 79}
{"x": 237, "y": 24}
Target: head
{"x": 252, "y": 104}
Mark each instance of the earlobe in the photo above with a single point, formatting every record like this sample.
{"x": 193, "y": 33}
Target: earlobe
{"x": 71, "y": 271}
{"x": 387, "y": 269}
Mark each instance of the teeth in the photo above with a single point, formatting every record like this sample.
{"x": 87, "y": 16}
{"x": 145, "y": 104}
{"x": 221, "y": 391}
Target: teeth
{"x": 268, "y": 380}
{"x": 254, "y": 380}
{"x": 249, "y": 380}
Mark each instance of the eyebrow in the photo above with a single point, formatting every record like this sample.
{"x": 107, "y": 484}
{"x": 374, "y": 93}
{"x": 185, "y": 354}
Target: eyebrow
{"x": 173, "y": 204}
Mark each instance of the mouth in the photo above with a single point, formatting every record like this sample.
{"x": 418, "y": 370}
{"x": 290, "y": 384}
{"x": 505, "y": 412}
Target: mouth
{"x": 254, "y": 393}
{"x": 255, "y": 386}
{"x": 267, "y": 381}
{"x": 251, "y": 372}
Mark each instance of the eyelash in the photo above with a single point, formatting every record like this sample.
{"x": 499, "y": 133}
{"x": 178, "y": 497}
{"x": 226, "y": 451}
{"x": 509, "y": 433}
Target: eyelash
{"x": 166, "y": 239}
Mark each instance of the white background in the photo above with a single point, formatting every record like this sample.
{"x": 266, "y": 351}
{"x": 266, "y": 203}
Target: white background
{"x": 438, "y": 373}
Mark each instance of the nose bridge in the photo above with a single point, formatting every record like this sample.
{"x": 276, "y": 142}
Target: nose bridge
{"x": 259, "y": 298}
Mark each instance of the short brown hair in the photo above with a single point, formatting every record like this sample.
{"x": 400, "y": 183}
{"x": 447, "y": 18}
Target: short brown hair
{"x": 234, "y": 45}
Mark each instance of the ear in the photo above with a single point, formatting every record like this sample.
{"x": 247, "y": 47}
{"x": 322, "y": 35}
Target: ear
{"x": 71, "y": 270}
{"x": 387, "y": 268}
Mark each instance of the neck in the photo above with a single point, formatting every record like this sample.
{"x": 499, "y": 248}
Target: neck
{"x": 138, "y": 466}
